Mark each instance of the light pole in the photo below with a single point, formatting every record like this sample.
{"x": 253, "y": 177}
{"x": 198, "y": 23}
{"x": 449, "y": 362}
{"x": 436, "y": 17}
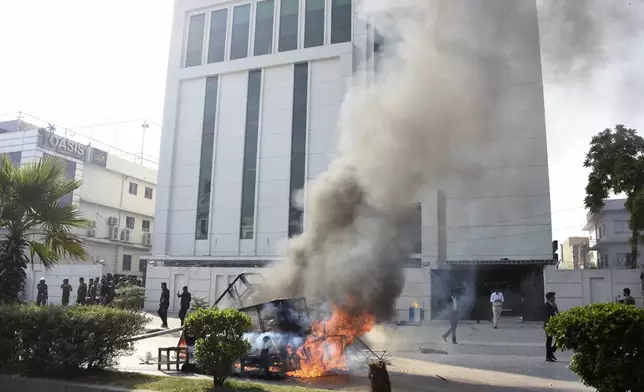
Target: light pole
{"x": 144, "y": 126}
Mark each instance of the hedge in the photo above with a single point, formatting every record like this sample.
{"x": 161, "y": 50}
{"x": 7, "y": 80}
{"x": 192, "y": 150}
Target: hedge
{"x": 608, "y": 344}
{"x": 54, "y": 341}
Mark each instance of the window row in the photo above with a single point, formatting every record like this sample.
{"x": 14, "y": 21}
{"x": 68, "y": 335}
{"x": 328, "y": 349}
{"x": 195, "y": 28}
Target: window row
{"x": 127, "y": 263}
{"x": 130, "y": 223}
{"x": 264, "y": 27}
{"x": 134, "y": 190}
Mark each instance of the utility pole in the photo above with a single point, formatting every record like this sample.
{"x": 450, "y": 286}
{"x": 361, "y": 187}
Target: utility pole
{"x": 144, "y": 126}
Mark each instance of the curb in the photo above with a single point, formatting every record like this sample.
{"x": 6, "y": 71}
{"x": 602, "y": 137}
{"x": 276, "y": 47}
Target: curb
{"x": 26, "y": 384}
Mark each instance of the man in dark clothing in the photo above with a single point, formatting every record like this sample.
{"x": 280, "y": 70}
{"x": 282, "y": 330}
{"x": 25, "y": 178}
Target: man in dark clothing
{"x": 43, "y": 295}
{"x": 628, "y": 300}
{"x": 164, "y": 304}
{"x": 104, "y": 291}
{"x": 453, "y": 318}
{"x": 549, "y": 310}
{"x": 90, "y": 286}
{"x": 186, "y": 297}
{"x": 67, "y": 289}
{"x": 81, "y": 293}
{"x": 111, "y": 288}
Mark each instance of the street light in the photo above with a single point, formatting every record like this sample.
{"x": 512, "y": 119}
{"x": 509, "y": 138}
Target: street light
{"x": 144, "y": 126}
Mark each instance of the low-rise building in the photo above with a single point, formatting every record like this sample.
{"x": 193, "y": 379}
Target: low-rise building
{"x": 575, "y": 253}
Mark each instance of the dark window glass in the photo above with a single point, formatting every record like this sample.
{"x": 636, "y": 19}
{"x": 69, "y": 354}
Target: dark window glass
{"x": 340, "y": 21}
{"x": 241, "y": 26}
{"x": 247, "y": 223}
{"x": 70, "y": 174}
{"x": 15, "y": 157}
{"x": 289, "y": 11}
{"x": 195, "y": 40}
{"x": 298, "y": 145}
{"x": 314, "y": 23}
{"x": 217, "y": 40}
{"x": 205, "y": 164}
{"x": 415, "y": 230}
{"x": 148, "y": 192}
{"x": 145, "y": 225}
{"x": 264, "y": 27}
{"x": 127, "y": 262}
{"x": 129, "y": 222}
{"x": 134, "y": 188}
{"x": 142, "y": 265}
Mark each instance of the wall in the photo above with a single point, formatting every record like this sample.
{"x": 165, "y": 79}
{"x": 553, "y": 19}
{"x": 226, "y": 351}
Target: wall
{"x": 583, "y": 287}
{"x": 100, "y": 214}
{"x": 54, "y": 278}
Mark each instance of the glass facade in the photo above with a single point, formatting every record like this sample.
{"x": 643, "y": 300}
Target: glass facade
{"x": 289, "y": 11}
{"x": 205, "y": 164}
{"x": 70, "y": 174}
{"x": 298, "y": 145}
{"x": 240, "y": 34}
{"x": 217, "y": 39}
{"x": 194, "y": 48}
{"x": 416, "y": 230}
{"x": 264, "y": 27}
{"x": 314, "y": 23}
{"x": 340, "y": 21}
{"x": 247, "y": 223}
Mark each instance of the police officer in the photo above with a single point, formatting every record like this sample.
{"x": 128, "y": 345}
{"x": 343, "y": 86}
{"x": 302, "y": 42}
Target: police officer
{"x": 43, "y": 295}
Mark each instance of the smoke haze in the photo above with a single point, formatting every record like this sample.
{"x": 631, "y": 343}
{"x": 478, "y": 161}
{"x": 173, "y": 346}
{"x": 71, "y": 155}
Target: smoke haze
{"x": 434, "y": 102}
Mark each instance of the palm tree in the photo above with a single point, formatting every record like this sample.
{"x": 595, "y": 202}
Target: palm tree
{"x": 32, "y": 221}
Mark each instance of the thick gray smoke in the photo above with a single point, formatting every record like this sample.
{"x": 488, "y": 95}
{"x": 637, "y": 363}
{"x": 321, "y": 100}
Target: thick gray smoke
{"x": 435, "y": 101}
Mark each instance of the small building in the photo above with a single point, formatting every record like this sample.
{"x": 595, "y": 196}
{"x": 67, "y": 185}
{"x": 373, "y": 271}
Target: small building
{"x": 575, "y": 253}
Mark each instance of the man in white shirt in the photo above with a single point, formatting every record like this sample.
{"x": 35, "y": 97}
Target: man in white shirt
{"x": 496, "y": 299}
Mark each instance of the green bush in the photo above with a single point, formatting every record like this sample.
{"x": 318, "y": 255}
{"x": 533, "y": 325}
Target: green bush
{"x": 129, "y": 297}
{"x": 58, "y": 341}
{"x": 220, "y": 340}
{"x": 608, "y": 341}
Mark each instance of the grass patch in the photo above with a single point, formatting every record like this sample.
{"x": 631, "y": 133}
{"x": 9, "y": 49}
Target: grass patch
{"x": 183, "y": 384}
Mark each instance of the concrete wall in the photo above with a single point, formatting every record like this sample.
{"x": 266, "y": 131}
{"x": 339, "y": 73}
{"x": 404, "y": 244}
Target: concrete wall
{"x": 583, "y": 287}
{"x": 54, "y": 278}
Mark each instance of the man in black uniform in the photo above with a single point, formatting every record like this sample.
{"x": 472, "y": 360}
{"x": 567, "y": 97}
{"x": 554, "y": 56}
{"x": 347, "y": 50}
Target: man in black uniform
{"x": 549, "y": 310}
{"x": 67, "y": 289}
{"x": 104, "y": 290}
{"x": 81, "y": 293}
{"x": 43, "y": 295}
{"x": 164, "y": 304}
{"x": 186, "y": 297}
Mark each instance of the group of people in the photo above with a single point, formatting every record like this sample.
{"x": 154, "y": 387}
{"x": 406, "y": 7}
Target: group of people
{"x": 98, "y": 291}
{"x": 164, "y": 304}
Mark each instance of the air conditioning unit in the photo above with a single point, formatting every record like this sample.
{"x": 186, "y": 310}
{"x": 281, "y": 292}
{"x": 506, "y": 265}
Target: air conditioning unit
{"x": 112, "y": 221}
{"x": 147, "y": 239}
{"x": 125, "y": 235}
{"x": 91, "y": 232}
{"x": 91, "y": 224}
{"x": 114, "y": 233}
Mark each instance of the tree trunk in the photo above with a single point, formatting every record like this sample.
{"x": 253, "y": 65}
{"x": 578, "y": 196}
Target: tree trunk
{"x": 379, "y": 377}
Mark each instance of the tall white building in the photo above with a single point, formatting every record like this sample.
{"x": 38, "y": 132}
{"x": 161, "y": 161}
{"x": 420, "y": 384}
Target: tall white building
{"x": 253, "y": 92}
{"x": 117, "y": 195}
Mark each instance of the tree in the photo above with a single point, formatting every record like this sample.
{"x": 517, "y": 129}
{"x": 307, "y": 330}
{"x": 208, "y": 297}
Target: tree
{"x": 616, "y": 160}
{"x": 34, "y": 222}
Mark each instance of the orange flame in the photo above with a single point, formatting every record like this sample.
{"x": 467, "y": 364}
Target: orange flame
{"x": 324, "y": 350}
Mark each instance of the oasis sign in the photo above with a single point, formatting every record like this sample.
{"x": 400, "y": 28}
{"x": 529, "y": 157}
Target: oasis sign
{"x": 61, "y": 145}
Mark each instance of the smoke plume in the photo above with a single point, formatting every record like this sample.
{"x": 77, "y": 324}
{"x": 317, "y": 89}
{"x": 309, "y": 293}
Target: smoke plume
{"x": 434, "y": 102}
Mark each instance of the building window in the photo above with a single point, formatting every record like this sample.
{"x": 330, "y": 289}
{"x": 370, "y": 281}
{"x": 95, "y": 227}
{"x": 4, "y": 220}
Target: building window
{"x": 289, "y": 12}
{"x": 142, "y": 265}
{"x": 298, "y": 145}
{"x": 148, "y": 192}
{"x": 145, "y": 226}
{"x": 129, "y": 222}
{"x": 241, "y": 26}
{"x": 134, "y": 188}
{"x": 217, "y": 40}
{"x": 605, "y": 261}
{"x": 14, "y": 157}
{"x": 314, "y": 23}
{"x": 70, "y": 174}
{"x": 194, "y": 48}
{"x": 205, "y": 163}
{"x": 621, "y": 227}
{"x": 340, "y": 21}
{"x": 247, "y": 223}
{"x": 127, "y": 262}
{"x": 416, "y": 230}
{"x": 264, "y": 27}
{"x": 600, "y": 231}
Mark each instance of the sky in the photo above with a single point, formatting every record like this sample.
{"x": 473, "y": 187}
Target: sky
{"x": 99, "y": 67}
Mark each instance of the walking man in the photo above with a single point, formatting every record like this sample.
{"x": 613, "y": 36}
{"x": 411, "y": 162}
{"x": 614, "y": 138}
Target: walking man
{"x": 550, "y": 310}
{"x": 496, "y": 299}
{"x": 453, "y": 319}
{"x": 67, "y": 289}
{"x": 164, "y": 304}
{"x": 43, "y": 295}
{"x": 186, "y": 297}
{"x": 81, "y": 293}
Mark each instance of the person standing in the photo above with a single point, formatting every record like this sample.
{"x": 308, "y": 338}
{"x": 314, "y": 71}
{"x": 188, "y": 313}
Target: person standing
{"x": 186, "y": 297}
{"x": 496, "y": 299}
{"x": 164, "y": 304}
{"x": 550, "y": 310}
{"x": 67, "y": 289}
{"x": 104, "y": 290}
{"x": 453, "y": 318}
{"x": 628, "y": 300}
{"x": 43, "y": 294}
{"x": 90, "y": 300}
{"x": 81, "y": 293}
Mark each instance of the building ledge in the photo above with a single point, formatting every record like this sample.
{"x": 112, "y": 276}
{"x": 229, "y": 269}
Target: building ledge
{"x": 497, "y": 262}
{"x": 115, "y": 243}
